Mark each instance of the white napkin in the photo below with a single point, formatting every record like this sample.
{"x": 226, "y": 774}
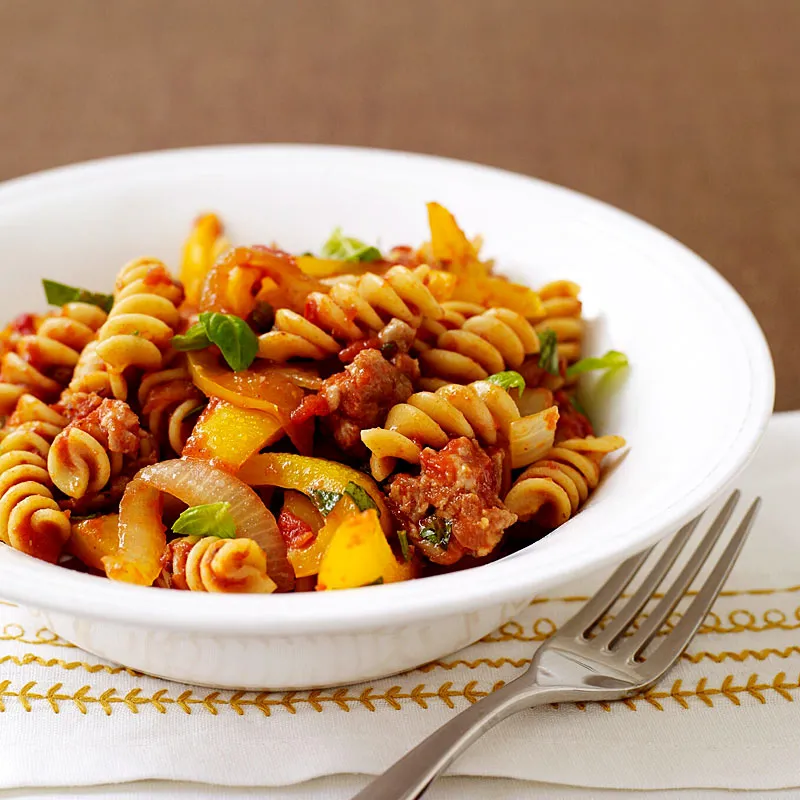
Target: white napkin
{"x": 725, "y": 717}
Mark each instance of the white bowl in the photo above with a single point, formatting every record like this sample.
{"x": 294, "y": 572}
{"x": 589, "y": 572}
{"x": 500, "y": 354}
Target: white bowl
{"x": 693, "y": 405}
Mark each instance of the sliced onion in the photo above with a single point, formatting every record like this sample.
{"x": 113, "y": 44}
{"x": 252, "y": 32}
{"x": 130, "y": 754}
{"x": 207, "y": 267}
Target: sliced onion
{"x": 197, "y": 482}
{"x": 141, "y": 537}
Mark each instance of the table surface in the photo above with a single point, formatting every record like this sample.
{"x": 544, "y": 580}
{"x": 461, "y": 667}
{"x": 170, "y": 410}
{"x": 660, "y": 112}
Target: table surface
{"x": 683, "y": 112}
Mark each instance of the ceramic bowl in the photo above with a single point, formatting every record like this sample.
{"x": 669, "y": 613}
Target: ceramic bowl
{"x": 693, "y": 404}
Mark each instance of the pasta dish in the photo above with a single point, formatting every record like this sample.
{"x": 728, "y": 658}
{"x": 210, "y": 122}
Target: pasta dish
{"x": 276, "y": 422}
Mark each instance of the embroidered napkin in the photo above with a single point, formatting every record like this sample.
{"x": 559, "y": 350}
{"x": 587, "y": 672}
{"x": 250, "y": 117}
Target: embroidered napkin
{"x": 725, "y": 717}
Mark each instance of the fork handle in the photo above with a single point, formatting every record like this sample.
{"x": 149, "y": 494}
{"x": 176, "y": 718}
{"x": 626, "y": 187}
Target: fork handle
{"x": 409, "y": 777}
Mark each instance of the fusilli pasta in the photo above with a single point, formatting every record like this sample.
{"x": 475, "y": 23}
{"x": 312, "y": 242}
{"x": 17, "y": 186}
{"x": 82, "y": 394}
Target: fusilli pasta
{"x": 482, "y": 410}
{"x": 143, "y": 319}
{"x": 563, "y": 316}
{"x": 492, "y": 341}
{"x": 349, "y": 312}
{"x": 42, "y": 362}
{"x": 552, "y": 489}
{"x": 210, "y": 564}
{"x": 30, "y": 519}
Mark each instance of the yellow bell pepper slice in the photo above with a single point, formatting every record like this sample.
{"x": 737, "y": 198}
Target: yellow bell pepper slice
{"x": 226, "y": 435}
{"x": 262, "y": 387}
{"x": 93, "y": 539}
{"x": 456, "y": 254}
{"x": 202, "y": 246}
{"x": 316, "y": 478}
{"x": 358, "y": 555}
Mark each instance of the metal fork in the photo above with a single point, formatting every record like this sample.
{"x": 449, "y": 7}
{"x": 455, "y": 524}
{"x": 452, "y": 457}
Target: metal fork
{"x": 585, "y": 662}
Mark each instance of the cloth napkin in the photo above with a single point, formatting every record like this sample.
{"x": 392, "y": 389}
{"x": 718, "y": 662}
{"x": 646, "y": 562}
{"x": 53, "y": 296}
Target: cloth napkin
{"x": 725, "y": 717}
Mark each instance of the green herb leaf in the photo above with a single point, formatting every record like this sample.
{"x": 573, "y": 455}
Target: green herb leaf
{"x": 345, "y": 248}
{"x": 437, "y": 531}
{"x": 324, "y": 501}
{"x": 361, "y": 497}
{"x": 194, "y": 339}
{"x": 508, "y": 380}
{"x": 233, "y": 336}
{"x": 58, "y": 294}
{"x": 404, "y": 548}
{"x": 613, "y": 359}
{"x": 84, "y": 517}
{"x": 548, "y": 351}
{"x": 576, "y": 404}
{"x": 376, "y": 582}
{"x": 209, "y": 519}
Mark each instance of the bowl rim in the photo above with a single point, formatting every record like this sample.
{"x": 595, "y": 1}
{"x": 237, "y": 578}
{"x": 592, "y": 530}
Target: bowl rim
{"x": 39, "y": 585}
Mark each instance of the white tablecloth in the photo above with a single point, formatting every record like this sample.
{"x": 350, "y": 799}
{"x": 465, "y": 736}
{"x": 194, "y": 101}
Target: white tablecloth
{"x": 725, "y": 718}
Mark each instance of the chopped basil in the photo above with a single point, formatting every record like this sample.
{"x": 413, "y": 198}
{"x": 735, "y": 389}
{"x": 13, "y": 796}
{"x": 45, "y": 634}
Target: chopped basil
{"x": 59, "y": 294}
{"x": 361, "y": 497}
{"x": 613, "y": 359}
{"x": 436, "y": 531}
{"x": 234, "y": 337}
{"x": 376, "y": 582}
{"x": 346, "y": 248}
{"x": 194, "y": 339}
{"x": 548, "y": 351}
{"x": 576, "y": 404}
{"x": 84, "y": 517}
{"x": 508, "y": 380}
{"x": 325, "y": 501}
{"x": 209, "y": 519}
{"x": 404, "y": 548}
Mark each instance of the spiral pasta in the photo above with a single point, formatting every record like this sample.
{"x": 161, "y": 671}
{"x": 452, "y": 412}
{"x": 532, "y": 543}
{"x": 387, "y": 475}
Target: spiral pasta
{"x": 143, "y": 319}
{"x": 41, "y": 363}
{"x": 91, "y": 449}
{"x": 491, "y": 341}
{"x": 349, "y": 312}
{"x": 210, "y": 564}
{"x": 167, "y": 398}
{"x": 552, "y": 489}
{"x": 482, "y": 411}
{"x": 563, "y": 316}
{"x": 30, "y": 519}
{"x": 92, "y": 375}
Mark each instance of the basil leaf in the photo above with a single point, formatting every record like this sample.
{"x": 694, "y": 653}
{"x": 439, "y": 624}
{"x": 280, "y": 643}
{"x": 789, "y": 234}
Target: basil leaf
{"x": 613, "y": 359}
{"x": 404, "y": 549}
{"x": 324, "y": 501}
{"x": 437, "y": 531}
{"x": 576, "y": 404}
{"x": 548, "y": 351}
{"x": 360, "y": 497}
{"x": 209, "y": 519}
{"x": 194, "y": 339}
{"x": 508, "y": 380}
{"x": 233, "y": 336}
{"x": 345, "y": 248}
{"x": 58, "y": 294}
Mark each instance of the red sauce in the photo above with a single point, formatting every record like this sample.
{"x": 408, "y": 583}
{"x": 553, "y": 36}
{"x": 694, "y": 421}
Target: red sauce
{"x": 296, "y": 533}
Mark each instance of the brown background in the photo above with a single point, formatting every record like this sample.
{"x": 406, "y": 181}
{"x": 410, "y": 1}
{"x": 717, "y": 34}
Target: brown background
{"x": 684, "y": 112}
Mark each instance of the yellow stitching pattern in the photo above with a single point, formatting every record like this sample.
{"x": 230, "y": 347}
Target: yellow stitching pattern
{"x": 578, "y": 598}
{"x": 12, "y": 632}
{"x": 693, "y": 658}
{"x": 394, "y": 698}
{"x": 30, "y": 658}
{"x": 240, "y": 702}
{"x": 738, "y": 620}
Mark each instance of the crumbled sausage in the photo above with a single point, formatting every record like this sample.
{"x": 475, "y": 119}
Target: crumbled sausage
{"x": 111, "y": 422}
{"x": 359, "y": 397}
{"x": 459, "y": 483}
